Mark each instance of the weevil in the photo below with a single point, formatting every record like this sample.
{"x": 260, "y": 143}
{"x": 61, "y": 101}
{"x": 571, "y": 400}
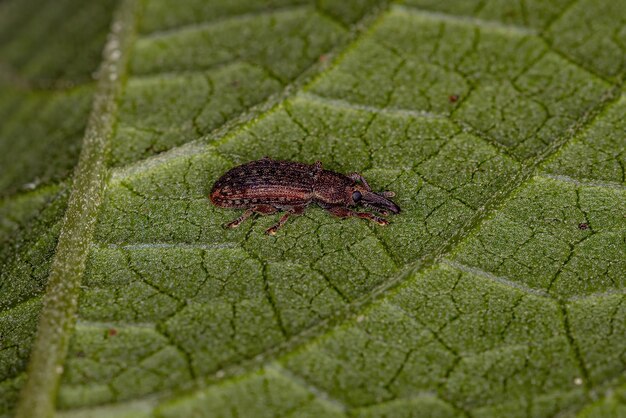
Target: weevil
{"x": 268, "y": 186}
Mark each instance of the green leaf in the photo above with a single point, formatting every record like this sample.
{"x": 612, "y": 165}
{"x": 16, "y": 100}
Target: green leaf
{"x": 497, "y": 291}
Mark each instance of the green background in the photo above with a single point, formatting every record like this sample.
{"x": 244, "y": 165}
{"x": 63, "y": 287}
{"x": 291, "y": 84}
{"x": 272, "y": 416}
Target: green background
{"x": 498, "y": 291}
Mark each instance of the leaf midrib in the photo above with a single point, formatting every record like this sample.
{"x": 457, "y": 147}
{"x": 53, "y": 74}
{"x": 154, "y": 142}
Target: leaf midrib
{"x": 48, "y": 353}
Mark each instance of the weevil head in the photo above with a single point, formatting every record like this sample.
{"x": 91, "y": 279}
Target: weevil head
{"x": 362, "y": 195}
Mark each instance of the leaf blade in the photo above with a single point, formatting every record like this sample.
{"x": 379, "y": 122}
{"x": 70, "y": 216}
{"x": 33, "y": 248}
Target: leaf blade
{"x": 463, "y": 118}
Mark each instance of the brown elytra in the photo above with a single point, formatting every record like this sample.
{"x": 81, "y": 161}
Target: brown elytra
{"x": 268, "y": 186}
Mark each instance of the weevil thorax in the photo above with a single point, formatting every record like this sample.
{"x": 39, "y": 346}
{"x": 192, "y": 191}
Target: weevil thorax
{"x": 333, "y": 188}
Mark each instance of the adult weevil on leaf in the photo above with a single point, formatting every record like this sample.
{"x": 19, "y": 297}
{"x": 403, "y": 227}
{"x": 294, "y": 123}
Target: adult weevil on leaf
{"x": 268, "y": 186}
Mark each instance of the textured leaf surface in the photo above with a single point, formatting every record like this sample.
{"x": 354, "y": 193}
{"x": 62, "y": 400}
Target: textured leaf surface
{"x": 498, "y": 291}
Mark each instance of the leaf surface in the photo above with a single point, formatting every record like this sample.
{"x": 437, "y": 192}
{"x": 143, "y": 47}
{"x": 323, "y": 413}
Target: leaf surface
{"x": 498, "y": 291}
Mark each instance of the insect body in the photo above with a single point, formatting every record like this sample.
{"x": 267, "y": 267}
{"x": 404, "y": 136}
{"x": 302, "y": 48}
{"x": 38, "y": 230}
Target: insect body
{"x": 267, "y": 186}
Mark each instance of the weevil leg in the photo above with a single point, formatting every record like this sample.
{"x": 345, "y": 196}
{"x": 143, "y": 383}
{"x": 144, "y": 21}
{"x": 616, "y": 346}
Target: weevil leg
{"x": 358, "y": 177}
{"x": 296, "y": 210}
{"x": 375, "y": 209}
{"x": 264, "y": 209}
{"x": 272, "y": 230}
{"x": 346, "y": 213}
{"x": 239, "y": 220}
{"x": 261, "y": 209}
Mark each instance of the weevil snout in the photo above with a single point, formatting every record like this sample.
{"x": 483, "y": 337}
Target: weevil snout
{"x": 377, "y": 201}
